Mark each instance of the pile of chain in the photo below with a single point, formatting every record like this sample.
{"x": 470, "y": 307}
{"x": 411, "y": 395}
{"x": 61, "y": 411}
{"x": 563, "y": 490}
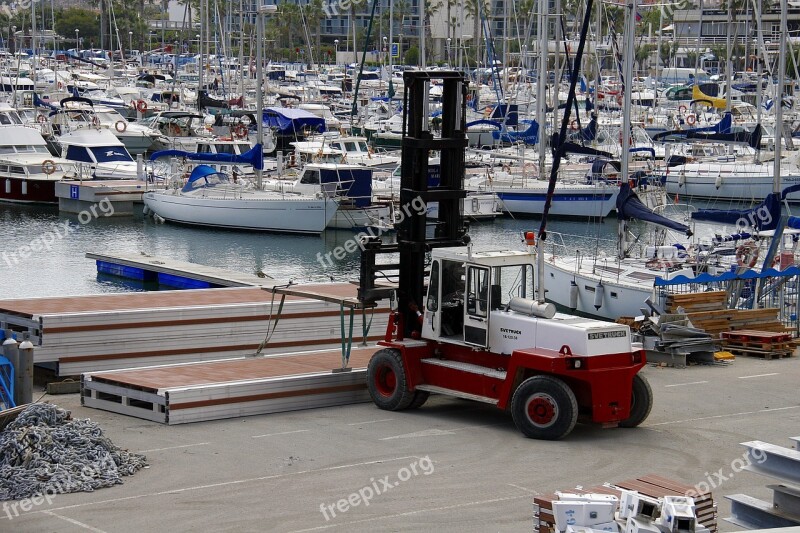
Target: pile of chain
{"x": 46, "y": 451}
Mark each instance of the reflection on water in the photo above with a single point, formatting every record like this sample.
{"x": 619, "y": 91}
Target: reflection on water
{"x": 59, "y": 267}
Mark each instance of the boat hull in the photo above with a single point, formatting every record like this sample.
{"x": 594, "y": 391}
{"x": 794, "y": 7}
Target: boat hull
{"x": 734, "y": 185}
{"x": 27, "y": 191}
{"x": 577, "y": 202}
{"x": 282, "y": 215}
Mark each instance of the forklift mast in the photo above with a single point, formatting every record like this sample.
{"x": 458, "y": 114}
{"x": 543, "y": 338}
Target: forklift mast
{"x": 415, "y": 236}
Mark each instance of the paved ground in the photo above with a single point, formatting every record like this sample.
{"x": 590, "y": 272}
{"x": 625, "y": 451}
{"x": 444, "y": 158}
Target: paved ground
{"x": 474, "y": 472}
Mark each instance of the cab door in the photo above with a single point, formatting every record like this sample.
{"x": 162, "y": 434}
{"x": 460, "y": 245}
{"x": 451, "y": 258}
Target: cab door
{"x": 476, "y": 310}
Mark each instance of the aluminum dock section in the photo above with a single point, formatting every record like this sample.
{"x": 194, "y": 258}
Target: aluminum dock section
{"x": 178, "y": 394}
{"x": 128, "y": 330}
{"x": 173, "y": 273}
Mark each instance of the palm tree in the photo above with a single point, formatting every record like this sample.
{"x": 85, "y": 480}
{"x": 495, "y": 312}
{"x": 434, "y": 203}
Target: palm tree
{"x": 474, "y": 9}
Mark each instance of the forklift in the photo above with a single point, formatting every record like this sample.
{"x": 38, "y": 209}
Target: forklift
{"x": 468, "y": 323}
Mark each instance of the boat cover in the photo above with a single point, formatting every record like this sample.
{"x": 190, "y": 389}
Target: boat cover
{"x": 291, "y": 121}
{"x": 630, "y": 207}
{"x": 254, "y": 157}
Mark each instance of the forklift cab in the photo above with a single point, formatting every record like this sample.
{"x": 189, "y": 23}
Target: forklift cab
{"x": 465, "y": 288}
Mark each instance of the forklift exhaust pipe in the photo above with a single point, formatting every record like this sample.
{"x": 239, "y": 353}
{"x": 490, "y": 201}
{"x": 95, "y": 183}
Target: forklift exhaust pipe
{"x": 532, "y": 307}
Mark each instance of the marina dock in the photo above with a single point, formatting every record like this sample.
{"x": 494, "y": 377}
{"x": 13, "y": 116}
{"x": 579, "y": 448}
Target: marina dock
{"x": 78, "y": 196}
{"x": 176, "y": 274}
{"x": 177, "y": 394}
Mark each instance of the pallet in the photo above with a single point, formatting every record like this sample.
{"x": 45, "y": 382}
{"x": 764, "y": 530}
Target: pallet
{"x": 763, "y": 354}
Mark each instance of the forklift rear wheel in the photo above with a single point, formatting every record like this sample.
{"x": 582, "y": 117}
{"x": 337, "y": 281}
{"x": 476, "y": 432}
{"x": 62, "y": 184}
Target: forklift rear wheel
{"x": 420, "y": 397}
{"x": 641, "y": 402}
{"x": 387, "y": 383}
{"x": 544, "y": 407}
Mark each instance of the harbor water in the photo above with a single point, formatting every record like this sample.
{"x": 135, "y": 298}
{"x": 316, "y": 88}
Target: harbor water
{"x": 44, "y": 251}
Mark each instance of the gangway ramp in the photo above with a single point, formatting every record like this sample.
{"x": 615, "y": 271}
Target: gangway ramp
{"x": 178, "y": 394}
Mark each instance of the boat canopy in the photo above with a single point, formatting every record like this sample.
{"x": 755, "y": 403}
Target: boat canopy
{"x": 356, "y": 183}
{"x": 291, "y": 121}
{"x": 722, "y": 132}
{"x": 204, "y": 176}
{"x": 630, "y": 207}
{"x": 529, "y": 136}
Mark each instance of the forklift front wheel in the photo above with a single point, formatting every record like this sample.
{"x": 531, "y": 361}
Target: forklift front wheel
{"x": 386, "y": 381}
{"x": 544, "y": 407}
{"x": 641, "y": 402}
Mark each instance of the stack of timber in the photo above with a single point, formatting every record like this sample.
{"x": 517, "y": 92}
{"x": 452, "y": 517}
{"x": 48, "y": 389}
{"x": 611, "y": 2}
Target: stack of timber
{"x": 706, "y": 311}
{"x": 115, "y": 331}
{"x": 651, "y": 485}
{"x": 764, "y": 344}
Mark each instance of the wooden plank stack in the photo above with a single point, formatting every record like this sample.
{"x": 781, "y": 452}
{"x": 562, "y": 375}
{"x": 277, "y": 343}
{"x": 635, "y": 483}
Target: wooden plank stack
{"x": 765, "y": 344}
{"x": 651, "y": 485}
{"x": 706, "y": 311}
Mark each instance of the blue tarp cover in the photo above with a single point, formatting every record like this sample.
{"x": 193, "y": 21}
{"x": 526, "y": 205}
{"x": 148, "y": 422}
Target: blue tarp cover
{"x": 291, "y": 121}
{"x": 356, "y": 183}
{"x": 254, "y": 156}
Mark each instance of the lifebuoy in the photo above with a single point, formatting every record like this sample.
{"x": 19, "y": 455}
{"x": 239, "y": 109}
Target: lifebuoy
{"x": 48, "y": 166}
{"x": 43, "y": 62}
{"x": 691, "y": 119}
{"x": 60, "y": 86}
{"x": 141, "y": 106}
{"x": 41, "y": 119}
{"x": 573, "y": 125}
{"x": 747, "y": 255}
{"x": 240, "y": 130}
{"x": 121, "y": 126}
{"x": 619, "y": 99}
{"x": 95, "y": 121}
{"x": 682, "y": 109}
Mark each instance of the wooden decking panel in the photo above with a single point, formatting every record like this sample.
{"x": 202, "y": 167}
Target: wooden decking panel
{"x": 176, "y": 376}
{"x": 148, "y": 300}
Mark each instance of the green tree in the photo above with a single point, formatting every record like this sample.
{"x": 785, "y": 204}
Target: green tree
{"x": 412, "y": 56}
{"x": 642, "y": 54}
{"x": 85, "y": 21}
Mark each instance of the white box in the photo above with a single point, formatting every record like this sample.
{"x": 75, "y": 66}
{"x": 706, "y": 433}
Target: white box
{"x": 612, "y": 527}
{"x": 598, "y": 513}
{"x": 594, "y": 529}
{"x": 634, "y": 525}
{"x": 627, "y": 503}
{"x": 582, "y": 513}
{"x": 567, "y": 514}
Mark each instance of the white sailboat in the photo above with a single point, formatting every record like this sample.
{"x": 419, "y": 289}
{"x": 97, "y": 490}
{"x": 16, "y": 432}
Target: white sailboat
{"x": 212, "y": 198}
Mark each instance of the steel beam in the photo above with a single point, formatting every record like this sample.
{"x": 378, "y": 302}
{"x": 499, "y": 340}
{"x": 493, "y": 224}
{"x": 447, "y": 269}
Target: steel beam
{"x": 775, "y": 461}
{"x": 752, "y": 513}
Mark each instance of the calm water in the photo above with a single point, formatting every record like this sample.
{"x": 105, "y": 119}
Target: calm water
{"x": 63, "y": 270}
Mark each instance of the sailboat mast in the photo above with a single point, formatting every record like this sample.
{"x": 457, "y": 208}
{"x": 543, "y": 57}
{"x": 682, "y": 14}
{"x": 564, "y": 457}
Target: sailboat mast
{"x": 627, "y": 80}
{"x": 776, "y": 186}
{"x": 541, "y": 98}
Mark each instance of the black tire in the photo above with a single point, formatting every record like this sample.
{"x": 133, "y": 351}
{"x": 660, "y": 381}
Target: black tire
{"x": 641, "y": 402}
{"x": 420, "y": 397}
{"x": 544, "y": 407}
{"x": 386, "y": 381}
